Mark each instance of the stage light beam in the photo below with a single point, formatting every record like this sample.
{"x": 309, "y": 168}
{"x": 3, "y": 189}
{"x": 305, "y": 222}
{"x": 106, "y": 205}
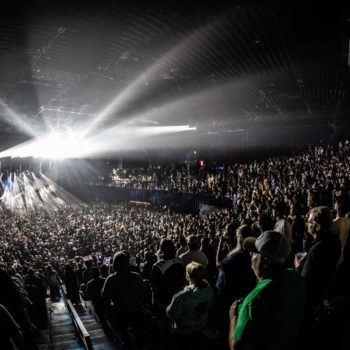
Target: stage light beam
{"x": 57, "y": 145}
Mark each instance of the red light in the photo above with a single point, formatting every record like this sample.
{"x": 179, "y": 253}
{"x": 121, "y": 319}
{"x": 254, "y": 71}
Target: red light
{"x": 201, "y": 163}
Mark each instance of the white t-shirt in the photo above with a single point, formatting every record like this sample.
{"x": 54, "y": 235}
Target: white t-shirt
{"x": 284, "y": 227}
{"x": 197, "y": 256}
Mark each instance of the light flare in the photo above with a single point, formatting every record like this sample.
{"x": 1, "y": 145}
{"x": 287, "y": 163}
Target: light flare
{"x": 67, "y": 145}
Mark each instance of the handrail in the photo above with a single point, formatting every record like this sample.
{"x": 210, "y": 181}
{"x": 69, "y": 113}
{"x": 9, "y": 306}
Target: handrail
{"x": 84, "y": 335}
{"x": 78, "y": 324}
{"x": 64, "y": 290}
{"x": 82, "y": 301}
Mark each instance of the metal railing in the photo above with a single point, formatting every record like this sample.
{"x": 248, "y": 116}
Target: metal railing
{"x": 82, "y": 332}
{"x": 77, "y": 323}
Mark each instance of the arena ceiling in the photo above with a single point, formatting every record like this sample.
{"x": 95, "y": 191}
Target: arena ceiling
{"x": 234, "y": 64}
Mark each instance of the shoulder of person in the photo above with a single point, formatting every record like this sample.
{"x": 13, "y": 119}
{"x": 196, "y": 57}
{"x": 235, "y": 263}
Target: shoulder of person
{"x": 135, "y": 275}
{"x": 177, "y": 260}
{"x": 319, "y": 246}
{"x": 111, "y": 277}
{"x": 159, "y": 264}
{"x": 239, "y": 255}
{"x": 186, "y": 291}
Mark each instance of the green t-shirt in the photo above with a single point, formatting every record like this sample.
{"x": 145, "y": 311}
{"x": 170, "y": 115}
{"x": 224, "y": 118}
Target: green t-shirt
{"x": 270, "y": 315}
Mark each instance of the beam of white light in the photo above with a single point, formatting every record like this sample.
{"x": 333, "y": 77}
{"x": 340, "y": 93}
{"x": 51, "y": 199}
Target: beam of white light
{"x": 32, "y": 199}
{"x": 123, "y": 137}
{"x": 46, "y": 192}
{"x": 54, "y": 146}
{"x": 133, "y": 91}
{"x": 60, "y": 146}
{"x": 12, "y": 199}
{"x": 192, "y": 103}
{"x": 16, "y": 121}
{"x": 63, "y": 196}
{"x": 146, "y": 131}
{"x": 34, "y": 195}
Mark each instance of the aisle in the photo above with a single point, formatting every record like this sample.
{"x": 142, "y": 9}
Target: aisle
{"x": 63, "y": 334}
{"x": 99, "y": 339}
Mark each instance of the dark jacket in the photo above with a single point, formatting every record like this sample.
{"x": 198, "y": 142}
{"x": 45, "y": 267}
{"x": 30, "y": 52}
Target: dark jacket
{"x": 236, "y": 277}
{"x": 167, "y": 279}
{"x": 94, "y": 288}
{"x": 319, "y": 267}
{"x": 35, "y": 289}
{"x": 125, "y": 290}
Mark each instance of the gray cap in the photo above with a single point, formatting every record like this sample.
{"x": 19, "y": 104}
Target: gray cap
{"x": 271, "y": 244}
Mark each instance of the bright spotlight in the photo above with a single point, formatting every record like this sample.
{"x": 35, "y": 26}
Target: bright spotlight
{"x": 69, "y": 144}
{"x": 54, "y": 145}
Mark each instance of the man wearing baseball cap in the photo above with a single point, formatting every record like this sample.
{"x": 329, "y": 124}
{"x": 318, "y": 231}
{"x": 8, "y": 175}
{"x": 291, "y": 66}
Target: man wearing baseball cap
{"x": 270, "y": 315}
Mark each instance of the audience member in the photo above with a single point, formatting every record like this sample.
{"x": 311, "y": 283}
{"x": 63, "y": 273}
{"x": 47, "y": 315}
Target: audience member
{"x": 10, "y": 332}
{"x": 236, "y": 278}
{"x": 126, "y": 290}
{"x": 52, "y": 278}
{"x": 193, "y": 252}
{"x": 167, "y": 279}
{"x": 37, "y": 295}
{"x": 270, "y": 315}
{"x": 282, "y": 224}
{"x": 341, "y": 224}
{"x": 189, "y": 308}
{"x": 94, "y": 289}
{"x": 319, "y": 265}
{"x": 71, "y": 283}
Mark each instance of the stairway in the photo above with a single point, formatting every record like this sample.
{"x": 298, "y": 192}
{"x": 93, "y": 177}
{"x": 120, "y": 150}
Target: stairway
{"x": 100, "y": 340}
{"x": 63, "y": 334}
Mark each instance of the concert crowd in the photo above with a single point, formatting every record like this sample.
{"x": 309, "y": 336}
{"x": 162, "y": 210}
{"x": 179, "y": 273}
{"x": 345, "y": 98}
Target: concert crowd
{"x": 194, "y": 278}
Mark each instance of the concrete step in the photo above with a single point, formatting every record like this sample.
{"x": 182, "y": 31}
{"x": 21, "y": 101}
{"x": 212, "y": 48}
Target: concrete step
{"x": 63, "y": 329}
{"x": 86, "y": 316}
{"x": 63, "y": 337}
{"x": 87, "y": 319}
{"x": 67, "y": 345}
{"x": 102, "y": 339}
{"x": 59, "y": 323}
{"x": 60, "y": 315}
{"x": 57, "y": 307}
{"x": 109, "y": 346}
{"x": 98, "y": 332}
{"x": 59, "y": 310}
{"x": 91, "y": 326}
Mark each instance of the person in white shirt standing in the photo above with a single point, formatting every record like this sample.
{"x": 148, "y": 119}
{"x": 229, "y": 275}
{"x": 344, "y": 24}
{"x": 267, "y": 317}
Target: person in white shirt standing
{"x": 282, "y": 224}
{"x": 194, "y": 253}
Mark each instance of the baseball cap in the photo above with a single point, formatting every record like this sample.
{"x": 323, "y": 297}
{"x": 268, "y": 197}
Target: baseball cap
{"x": 271, "y": 244}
